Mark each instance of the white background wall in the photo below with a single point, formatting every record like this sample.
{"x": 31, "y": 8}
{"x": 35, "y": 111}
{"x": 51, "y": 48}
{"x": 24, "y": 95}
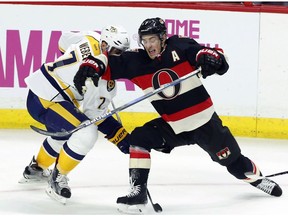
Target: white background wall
{"x": 256, "y": 44}
{"x": 273, "y": 66}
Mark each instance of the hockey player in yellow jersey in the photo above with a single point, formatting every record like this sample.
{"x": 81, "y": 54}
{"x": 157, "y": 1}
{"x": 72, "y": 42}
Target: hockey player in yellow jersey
{"x": 58, "y": 100}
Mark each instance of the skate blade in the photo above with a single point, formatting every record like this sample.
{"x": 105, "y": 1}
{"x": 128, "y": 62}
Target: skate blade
{"x": 132, "y": 209}
{"x": 51, "y": 193}
{"x": 24, "y": 180}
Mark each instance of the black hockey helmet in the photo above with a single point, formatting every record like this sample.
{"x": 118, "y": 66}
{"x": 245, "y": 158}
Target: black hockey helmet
{"x": 152, "y": 26}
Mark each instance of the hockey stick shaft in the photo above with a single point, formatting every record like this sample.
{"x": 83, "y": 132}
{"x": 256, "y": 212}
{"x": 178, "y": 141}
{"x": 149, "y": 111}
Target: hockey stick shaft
{"x": 108, "y": 114}
{"x": 267, "y": 176}
{"x": 117, "y": 114}
{"x": 277, "y": 174}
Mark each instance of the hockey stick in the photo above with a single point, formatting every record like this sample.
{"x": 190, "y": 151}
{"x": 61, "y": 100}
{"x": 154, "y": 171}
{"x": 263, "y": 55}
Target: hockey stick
{"x": 251, "y": 175}
{"x": 117, "y": 114}
{"x": 64, "y": 133}
{"x": 277, "y": 174}
{"x": 156, "y": 206}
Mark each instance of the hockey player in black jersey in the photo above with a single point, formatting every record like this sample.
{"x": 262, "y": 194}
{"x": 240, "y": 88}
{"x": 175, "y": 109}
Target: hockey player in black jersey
{"x": 187, "y": 115}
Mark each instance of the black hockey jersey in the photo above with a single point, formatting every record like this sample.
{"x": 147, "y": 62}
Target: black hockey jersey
{"x": 185, "y": 106}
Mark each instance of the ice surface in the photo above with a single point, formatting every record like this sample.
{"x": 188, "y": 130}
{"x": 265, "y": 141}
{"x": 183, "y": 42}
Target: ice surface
{"x": 185, "y": 182}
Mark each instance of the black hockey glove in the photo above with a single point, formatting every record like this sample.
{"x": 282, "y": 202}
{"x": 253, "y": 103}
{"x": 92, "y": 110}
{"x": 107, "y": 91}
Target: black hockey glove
{"x": 120, "y": 138}
{"x": 91, "y": 67}
{"x": 209, "y": 60}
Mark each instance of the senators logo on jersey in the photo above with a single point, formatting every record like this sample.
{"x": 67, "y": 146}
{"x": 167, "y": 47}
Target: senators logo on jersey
{"x": 165, "y": 76}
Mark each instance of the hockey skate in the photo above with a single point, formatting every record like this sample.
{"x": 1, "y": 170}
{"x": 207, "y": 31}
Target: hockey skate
{"x": 268, "y": 186}
{"x": 58, "y": 188}
{"x": 34, "y": 173}
{"x": 135, "y": 202}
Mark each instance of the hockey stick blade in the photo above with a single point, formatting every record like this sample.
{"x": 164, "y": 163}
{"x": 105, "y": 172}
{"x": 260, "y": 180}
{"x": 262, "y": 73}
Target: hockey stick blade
{"x": 64, "y": 133}
{"x": 48, "y": 133}
{"x": 156, "y": 206}
{"x": 251, "y": 175}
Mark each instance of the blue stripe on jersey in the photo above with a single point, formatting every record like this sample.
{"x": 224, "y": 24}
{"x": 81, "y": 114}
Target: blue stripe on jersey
{"x": 54, "y": 83}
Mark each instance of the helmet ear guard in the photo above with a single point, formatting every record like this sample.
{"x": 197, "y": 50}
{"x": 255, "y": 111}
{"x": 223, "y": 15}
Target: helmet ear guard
{"x": 115, "y": 37}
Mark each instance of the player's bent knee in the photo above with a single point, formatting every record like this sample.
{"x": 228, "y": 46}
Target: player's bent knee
{"x": 82, "y": 141}
{"x": 147, "y": 137}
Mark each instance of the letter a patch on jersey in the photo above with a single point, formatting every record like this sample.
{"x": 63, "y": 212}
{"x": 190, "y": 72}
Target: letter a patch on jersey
{"x": 175, "y": 56}
{"x": 224, "y": 153}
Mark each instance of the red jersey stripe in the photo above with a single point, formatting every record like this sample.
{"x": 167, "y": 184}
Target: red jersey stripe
{"x": 189, "y": 111}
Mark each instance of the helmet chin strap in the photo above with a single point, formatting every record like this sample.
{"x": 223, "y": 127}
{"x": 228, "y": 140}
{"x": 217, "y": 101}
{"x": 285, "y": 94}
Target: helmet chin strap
{"x": 163, "y": 38}
{"x": 163, "y": 49}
